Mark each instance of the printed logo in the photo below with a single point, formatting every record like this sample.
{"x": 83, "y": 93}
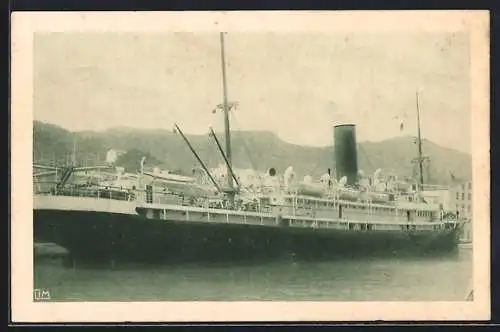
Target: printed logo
{"x": 41, "y": 294}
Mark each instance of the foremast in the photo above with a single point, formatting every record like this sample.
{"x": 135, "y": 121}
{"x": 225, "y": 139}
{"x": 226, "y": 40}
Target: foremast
{"x": 230, "y": 190}
{"x": 420, "y": 157}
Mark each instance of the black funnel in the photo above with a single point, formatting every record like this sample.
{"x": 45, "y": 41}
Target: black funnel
{"x": 346, "y": 156}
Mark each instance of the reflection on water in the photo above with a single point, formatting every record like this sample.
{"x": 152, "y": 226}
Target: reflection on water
{"x": 440, "y": 278}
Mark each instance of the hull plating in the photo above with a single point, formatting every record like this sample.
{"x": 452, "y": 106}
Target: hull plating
{"x": 104, "y": 235}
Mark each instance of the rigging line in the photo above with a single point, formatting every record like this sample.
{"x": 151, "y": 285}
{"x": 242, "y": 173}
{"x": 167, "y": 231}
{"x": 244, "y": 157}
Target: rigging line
{"x": 197, "y": 157}
{"x": 247, "y": 150}
{"x": 243, "y": 141}
{"x": 230, "y": 169}
{"x": 367, "y": 159}
{"x": 316, "y": 168}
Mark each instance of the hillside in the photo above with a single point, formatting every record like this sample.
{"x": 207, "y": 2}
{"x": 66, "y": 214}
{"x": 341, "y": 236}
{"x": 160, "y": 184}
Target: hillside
{"x": 251, "y": 149}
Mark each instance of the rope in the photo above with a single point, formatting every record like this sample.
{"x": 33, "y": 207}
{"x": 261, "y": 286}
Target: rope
{"x": 366, "y": 156}
{"x": 247, "y": 150}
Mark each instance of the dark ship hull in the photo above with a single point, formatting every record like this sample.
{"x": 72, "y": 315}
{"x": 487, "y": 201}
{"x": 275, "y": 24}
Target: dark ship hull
{"x": 108, "y": 229}
{"x": 99, "y": 235}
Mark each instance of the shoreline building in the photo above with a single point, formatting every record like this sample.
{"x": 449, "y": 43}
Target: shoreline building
{"x": 461, "y": 199}
{"x": 461, "y": 202}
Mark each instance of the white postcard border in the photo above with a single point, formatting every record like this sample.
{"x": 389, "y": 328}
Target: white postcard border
{"x": 25, "y": 24}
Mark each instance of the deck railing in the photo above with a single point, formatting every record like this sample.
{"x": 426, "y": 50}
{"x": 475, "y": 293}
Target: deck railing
{"x": 74, "y": 190}
{"x": 116, "y": 193}
{"x": 151, "y": 196}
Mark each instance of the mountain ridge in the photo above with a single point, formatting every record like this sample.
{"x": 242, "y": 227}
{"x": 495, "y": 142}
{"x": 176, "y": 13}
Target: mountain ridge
{"x": 251, "y": 149}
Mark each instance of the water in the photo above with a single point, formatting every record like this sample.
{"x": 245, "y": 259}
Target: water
{"x": 437, "y": 278}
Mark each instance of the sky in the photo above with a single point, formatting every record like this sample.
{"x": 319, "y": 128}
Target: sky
{"x": 295, "y": 85}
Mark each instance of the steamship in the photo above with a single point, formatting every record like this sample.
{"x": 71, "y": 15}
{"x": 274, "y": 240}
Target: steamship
{"x": 164, "y": 216}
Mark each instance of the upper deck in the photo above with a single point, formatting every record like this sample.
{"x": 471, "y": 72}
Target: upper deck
{"x": 277, "y": 201}
{"x": 293, "y": 211}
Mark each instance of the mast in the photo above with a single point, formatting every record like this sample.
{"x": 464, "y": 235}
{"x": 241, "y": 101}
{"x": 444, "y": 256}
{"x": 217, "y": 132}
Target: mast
{"x": 230, "y": 189}
{"x": 420, "y": 159}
